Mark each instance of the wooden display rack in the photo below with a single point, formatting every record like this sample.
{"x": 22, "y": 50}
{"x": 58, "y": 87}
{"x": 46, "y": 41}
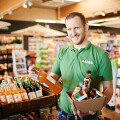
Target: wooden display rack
{"x": 48, "y": 100}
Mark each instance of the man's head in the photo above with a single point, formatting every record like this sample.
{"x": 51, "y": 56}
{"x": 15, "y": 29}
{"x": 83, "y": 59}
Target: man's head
{"x": 76, "y": 27}
{"x": 80, "y": 15}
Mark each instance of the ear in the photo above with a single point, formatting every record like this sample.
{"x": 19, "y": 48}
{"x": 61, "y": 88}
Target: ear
{"x": 86, "y": 27}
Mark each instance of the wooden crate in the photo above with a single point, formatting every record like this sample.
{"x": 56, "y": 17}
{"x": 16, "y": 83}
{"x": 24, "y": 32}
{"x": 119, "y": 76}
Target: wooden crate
{"x": 49, "y": 99}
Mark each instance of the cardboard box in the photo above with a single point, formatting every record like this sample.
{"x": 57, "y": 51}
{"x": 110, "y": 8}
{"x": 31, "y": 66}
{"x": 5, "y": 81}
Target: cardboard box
{"x": 86, "y": 105}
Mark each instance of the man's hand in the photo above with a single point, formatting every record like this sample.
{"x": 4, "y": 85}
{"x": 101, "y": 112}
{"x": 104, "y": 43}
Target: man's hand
{"x": 80, "y": 114}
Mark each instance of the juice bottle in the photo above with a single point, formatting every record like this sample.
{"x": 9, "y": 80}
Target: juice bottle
{"x": 87, "y": 80}
{"x": 23, "y": 93}
{"x": 8, "y": 94}
{"x": 3, "y": 96}
{"x": 16, "y": 94}
{"x": 47, "y": 80}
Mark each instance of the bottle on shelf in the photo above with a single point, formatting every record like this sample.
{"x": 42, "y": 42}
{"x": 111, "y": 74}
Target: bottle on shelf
{"x": 47, "y": 80}
{"x": 15, "y": 79}
{"x": 30, "y": 91}
{"x": 3, "y": 96}
{"x": 38, "y": 90}
{"x": 8, "y": 94}
{"x": 23, "y": 93}
{"x": 16, "y": 94}
{"x": 23, "y": 83}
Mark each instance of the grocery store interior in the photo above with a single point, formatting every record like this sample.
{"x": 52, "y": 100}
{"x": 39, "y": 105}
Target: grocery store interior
{"x": 32, "y": 32}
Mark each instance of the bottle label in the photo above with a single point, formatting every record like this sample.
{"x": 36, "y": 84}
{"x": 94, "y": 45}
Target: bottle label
{"x": 24, "y": 96}
{"x": 45, "y": 84}
{"x": 32, "y": 95}
{"x": 17, "y": 97}
{"x": 39, "y": 93}
{"x": 51, "y": 79}
{"x": 3, "y": 99}
{"x": 9, "y": 99}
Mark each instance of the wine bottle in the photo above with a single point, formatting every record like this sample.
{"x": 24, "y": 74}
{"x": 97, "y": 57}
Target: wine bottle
{"x": 15, "y": 79}
{"x": 30, "y": 91}
{"x": 37, "y": 90}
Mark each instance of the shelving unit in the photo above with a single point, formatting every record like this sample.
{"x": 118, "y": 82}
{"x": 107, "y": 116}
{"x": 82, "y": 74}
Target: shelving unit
{"x": 19, "y": 63}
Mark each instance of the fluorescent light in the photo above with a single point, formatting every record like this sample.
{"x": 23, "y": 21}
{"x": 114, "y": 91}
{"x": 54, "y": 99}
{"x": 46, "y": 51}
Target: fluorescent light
{"x": 25, "y": 4}
{"x": 103, "y": 13}
{"x": 90, "y": 24}
{"x": 50, "y": 21}
{"x": 103, "y": 20}
{"x": 75, "y": 0}
{"x": 29, "y": 3}
{"x": 10, "y": 12}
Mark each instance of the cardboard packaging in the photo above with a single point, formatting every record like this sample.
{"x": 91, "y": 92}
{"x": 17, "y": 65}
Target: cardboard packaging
{"x": 86, "y": 105}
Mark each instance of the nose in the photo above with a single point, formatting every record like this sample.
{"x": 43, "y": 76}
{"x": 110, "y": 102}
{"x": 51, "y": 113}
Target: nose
{"x": 73, "y": 32}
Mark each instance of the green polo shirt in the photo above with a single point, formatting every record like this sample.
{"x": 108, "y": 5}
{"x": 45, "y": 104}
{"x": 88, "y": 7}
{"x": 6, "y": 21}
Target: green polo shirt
{"x": 72, "y": 65}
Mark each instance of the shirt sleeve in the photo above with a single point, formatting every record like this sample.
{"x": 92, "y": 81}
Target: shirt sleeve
{"x": 105, "y": 68}
{"x": 56, "y": 66}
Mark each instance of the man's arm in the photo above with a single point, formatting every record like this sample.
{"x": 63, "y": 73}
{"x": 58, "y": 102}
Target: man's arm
{"x": 107, "y": 90}
{"x": 54, "y": 76}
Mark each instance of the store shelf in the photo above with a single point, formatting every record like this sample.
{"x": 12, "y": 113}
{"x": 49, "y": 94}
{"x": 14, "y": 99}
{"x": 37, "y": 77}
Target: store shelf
{"x": 19, "y": 57}
{"x": 21, "y": 69}
{"x": 19, "y": 63}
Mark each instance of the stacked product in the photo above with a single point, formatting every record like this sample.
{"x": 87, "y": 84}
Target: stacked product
{"x": 18, "y": 92}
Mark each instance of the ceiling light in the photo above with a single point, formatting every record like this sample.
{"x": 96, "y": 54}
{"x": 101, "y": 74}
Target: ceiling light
{"x": 74, "y": 0}
{"x": 90, "y": 24}
{"x": 1, "y": 16}
{"x": 50, "y": 21}
{"x": 103, "y": 13}
{"x": 103, "y": 20}
{"x": 29, "y": 3}
{"x": 115, "y": 11}
{"x": 25, "y": 4}
{"x": 93, "y": 14}
{"x": 10, "y": 12}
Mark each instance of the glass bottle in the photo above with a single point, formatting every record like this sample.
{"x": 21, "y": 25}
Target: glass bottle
{"x": 23, "y": 83}
{"x": 3, "y": 96}
{"x": 15, "y": 79}
{"x": 23, "y": 93}
{"x": 38, "y": 91}
{"x": 47, "y": 80}
{"x": 16, "y": 94}
{"x": 8, "y": 94}
{"x": 87, "y": 80}
{"x": 30, "y": 91}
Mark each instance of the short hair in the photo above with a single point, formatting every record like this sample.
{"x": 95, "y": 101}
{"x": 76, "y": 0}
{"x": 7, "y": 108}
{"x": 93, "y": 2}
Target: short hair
{"x": 80, "y": 15}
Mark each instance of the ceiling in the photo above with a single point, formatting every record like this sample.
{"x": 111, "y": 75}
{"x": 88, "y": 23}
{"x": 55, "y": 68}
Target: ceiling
{"x": 58, "y": 9}
{"x": 51, "y": 3}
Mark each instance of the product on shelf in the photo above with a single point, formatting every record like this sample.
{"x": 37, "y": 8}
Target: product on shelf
{"x": 18, "y": 91}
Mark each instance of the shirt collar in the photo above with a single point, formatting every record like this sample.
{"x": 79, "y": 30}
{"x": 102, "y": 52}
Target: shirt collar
{"x": 86, "y": 47}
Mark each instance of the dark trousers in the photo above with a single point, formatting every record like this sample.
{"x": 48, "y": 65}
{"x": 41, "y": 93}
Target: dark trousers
{"x": 62, "y": 115}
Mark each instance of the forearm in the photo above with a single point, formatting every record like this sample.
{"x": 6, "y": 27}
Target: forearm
{"x": 108, "y": 93}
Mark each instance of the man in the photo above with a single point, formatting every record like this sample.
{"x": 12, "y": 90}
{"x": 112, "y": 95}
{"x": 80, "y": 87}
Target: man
{"x": 73, "y": 62}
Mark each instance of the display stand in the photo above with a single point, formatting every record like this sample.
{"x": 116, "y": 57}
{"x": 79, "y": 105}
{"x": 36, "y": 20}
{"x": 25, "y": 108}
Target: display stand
{"x": 19, "y": 63}
{"x": 14, "y": 110}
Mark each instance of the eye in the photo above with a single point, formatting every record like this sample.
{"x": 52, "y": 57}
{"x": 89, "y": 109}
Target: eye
{"x": 76, "y": 27}
{"x": 68, "y": 29}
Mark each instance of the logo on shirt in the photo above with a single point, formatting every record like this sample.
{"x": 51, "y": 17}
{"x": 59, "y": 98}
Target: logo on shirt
{"x": 88, "y": 62}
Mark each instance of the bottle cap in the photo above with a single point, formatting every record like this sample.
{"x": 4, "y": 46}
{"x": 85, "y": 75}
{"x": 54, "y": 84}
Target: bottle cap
{"x": 30, "y": 68}
{"x": 88, "y": 72}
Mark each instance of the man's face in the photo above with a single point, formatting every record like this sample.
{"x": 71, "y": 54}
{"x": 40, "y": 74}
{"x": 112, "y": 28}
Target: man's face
{"x": 75, "y": 30}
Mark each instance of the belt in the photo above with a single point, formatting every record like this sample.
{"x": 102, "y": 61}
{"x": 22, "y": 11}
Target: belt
{"x": 66, "y": 115}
